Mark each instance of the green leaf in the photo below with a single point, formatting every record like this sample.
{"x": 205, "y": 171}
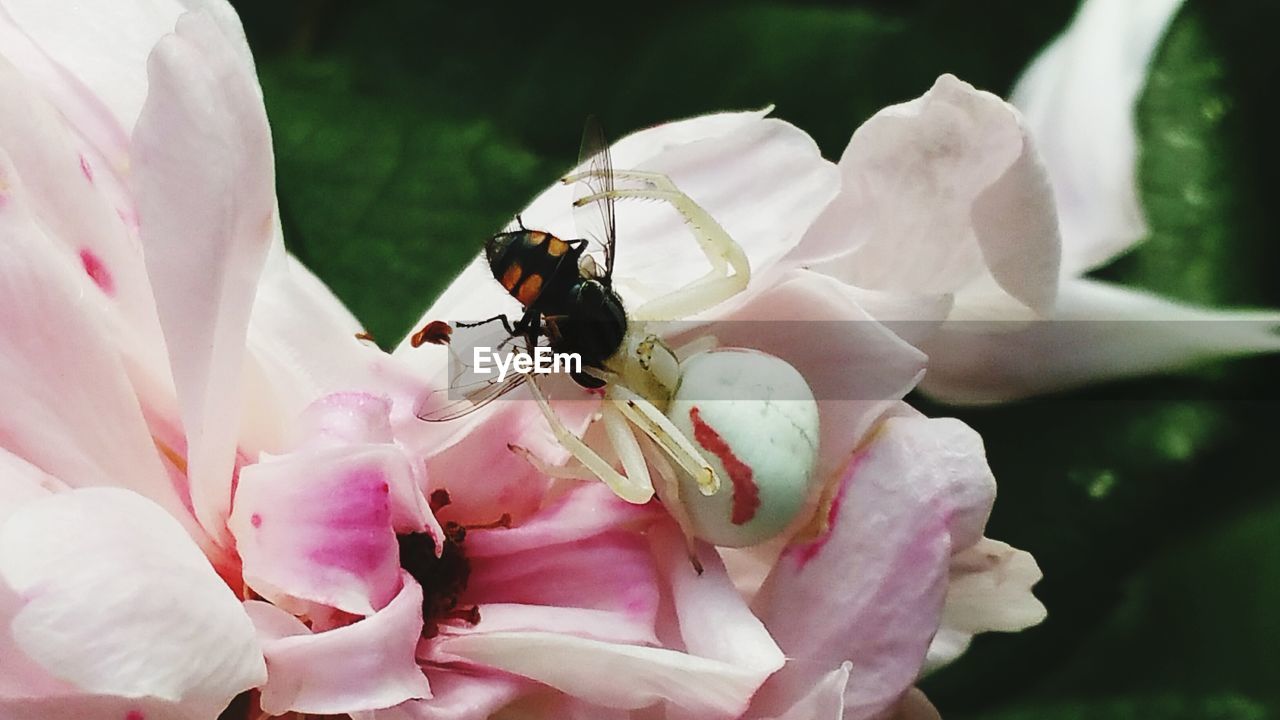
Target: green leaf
{"x": 383, "y": 202}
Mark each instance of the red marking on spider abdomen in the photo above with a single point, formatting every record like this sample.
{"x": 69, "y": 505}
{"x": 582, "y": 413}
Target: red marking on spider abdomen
{"x": 746, "y": 495}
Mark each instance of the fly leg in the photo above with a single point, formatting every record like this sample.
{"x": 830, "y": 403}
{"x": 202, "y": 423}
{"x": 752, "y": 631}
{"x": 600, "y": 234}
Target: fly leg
{"x": 730, "y": 270}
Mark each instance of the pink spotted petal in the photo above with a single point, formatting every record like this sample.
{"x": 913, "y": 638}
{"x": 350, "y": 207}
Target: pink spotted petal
{"x": 943, "y": 194}
{"x": 317, "y": 526}
{"x": 205, "y": 188}
{"x": 920, "y": 488}
{"x": 126, "y": 604}
{"x": 1079, "y": 98}
{"x": 63, "y": 372}
{"x": 364, "y": 666}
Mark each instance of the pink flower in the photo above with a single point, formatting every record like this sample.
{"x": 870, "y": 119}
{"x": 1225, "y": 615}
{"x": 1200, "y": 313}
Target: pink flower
{"x": 895, "y": 574}
{"x": 202, "y": 496}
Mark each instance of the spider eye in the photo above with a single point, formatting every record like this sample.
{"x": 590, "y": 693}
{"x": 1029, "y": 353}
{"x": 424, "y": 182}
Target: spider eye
{"x": 754, "y": 418}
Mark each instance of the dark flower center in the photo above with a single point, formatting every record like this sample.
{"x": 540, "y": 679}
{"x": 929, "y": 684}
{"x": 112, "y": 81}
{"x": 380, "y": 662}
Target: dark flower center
{"x": 444, "y": 578}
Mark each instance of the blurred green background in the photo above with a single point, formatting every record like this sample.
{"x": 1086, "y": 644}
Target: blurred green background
{"x": 407, "y": 131}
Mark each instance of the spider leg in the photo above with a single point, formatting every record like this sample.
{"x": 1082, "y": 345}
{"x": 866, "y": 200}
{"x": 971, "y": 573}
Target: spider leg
{"x": 730, "y": 270}
{"x": 657, "y": 426}
{"x": 622, "y": 486}
{"x": 669, "y": 483}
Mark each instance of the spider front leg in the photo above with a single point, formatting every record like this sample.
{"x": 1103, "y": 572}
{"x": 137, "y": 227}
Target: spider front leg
{"x": 662, "y": 431}
{"x": 730, "y": 270}
{"x": 627, "y": 488}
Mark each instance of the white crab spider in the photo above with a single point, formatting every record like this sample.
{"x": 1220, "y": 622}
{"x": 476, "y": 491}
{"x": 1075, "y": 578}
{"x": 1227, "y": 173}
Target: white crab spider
{"x": 731, "y": 434}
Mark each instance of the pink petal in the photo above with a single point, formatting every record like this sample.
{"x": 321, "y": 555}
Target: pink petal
{"x": 943, "y": 194}
{"x": 1078, "y": 100}
{"x": 206, "y": 201}
{"x": 63, "y": 375}
{"x": 21, "y": 482}
{"x": 1098, "y": 331}
{"x": 126, "y": 605}
{"x": 712, "y": 619}
{"x": 825, "y": 701}
{"x": 610, "y": 674}
{"x": 367, "y": 665}
{"x": 584, "y": 512}
{"x": 871, "y": 591}
{"x": 456, "y": 694}
{"x": 75, "y": 212}
{"x": 317, "y": 526}
{"x": 82, "y": 706}
{"x": 604, "y": 587}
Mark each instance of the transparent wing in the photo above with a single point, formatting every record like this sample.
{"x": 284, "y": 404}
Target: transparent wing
{"x": 595, "y": 219}
{"x": 471, "y": 388}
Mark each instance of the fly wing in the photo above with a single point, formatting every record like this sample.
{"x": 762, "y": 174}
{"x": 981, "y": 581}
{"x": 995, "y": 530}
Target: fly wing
{"x": 595, "y": 219}
{"x": 471, "y": 388}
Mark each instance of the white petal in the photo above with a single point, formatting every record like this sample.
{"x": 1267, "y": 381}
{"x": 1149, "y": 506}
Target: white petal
{"x": 206, "y": 201}
{"x": 1078, "y": 99}
{"x": 126, "y": 604}
{"x": 989, "y": 589}
{"x": 940, "y": 195}
{"x": 1098, "y": 331}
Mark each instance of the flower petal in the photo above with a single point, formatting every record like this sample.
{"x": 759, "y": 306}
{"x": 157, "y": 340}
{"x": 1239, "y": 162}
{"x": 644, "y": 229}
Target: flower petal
{"x": 1078, "y": 100}
{"x": 871, "y": 590}
{"x": 943, "y": 194}
{"x": 367, "y": 665}
{"x": 1098, "y": 331}
{"x": 609, "y": 674}
{"x": 825, "y": 701}
{"x": 206, "y": 203}
{"x": 63, "y": 374}
{"x": 989, "y": 589}
{"x": 317, "y": 526}
{"x": 712, "y": 619}
{"x": 126, "y": 604}
{"x": 456, "y": 694}
{"x": 604, "y": 587}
